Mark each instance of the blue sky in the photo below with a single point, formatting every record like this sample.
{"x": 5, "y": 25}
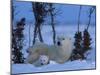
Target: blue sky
{"x": 68, "y": 13}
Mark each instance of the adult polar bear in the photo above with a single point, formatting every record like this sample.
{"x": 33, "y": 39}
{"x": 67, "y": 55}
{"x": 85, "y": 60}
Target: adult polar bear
{"x": 59, "y": 53}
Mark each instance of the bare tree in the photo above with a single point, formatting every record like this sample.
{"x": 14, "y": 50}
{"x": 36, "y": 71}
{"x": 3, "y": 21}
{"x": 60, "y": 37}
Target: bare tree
{"x": 79, "y": 17}
{"x": 51, "y": 11}
{"x": 39, "y": 14}
{"x": 86, "y": 35}
{"x": 91, "y": 10}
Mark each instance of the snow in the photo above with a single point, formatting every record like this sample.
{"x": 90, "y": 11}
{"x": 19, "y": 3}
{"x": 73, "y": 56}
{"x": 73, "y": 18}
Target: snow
{"x": 67, "y": 31}
{"x": 53, "y": 66}
{"x": 75, "y": 65}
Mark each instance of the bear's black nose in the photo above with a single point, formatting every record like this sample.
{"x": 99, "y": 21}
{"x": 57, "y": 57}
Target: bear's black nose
{"x": 58, "y": 43}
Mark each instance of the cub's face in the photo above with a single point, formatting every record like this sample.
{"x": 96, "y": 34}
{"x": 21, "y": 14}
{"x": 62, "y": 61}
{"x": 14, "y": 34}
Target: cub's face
{"x": 44, "y": 60}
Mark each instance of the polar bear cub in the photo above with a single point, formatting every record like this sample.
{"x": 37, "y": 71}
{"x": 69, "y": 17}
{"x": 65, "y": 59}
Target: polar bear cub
{"x": 42, "y": 60}
{"x": 59, "y": 53}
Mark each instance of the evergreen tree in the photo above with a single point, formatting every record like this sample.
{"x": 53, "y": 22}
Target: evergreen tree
{"x": 86, "y": 36}
{"x": 17, "y": 42}
{"x": 77, "y": 52}
{"x": 78, "y": 34}
{"x": 86, "y": 41}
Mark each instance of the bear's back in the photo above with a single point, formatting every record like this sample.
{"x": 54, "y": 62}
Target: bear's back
{"x": 40, "y": 48}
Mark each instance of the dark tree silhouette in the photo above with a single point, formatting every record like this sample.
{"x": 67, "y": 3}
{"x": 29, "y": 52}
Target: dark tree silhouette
{"x": 86, "y": 36}
{"x": 86, "y": 41}
{"x": 77, "y": 52}
{"x": 82, "y": 45}
{"x": 51, "y": 11}
{"x": 17, "y": 42}
{"x": 39, "y": 14}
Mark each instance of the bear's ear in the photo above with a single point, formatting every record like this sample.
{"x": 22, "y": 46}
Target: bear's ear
{"x": 60, "y": 38}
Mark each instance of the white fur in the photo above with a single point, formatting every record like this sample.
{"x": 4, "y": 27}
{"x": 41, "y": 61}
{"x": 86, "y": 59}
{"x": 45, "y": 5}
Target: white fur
{"x": 59, "y": 54}
{"x": 66, "y": 49}
{"x": 44, "y": 59}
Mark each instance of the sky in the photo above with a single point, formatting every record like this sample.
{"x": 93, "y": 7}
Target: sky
{"x": 67, "y": 15}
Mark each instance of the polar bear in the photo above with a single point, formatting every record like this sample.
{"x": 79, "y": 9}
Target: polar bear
{"x": 60, "y": 52}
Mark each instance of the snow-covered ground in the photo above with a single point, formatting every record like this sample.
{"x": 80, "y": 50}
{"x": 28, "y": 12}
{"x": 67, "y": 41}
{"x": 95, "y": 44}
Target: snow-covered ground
{"x": 75, "y": 65}
{"x": 62, "y": 30}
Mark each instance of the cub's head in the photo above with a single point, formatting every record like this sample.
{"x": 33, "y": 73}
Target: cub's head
{"x": 44, "y": 60}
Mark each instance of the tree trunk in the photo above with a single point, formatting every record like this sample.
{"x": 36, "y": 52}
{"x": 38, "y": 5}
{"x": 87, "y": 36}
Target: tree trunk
{"x": 88, "y": 23}
{"x": 35, "y": 33}
{"x": 40, "y": 35}
{"x": 52, "y": 23}
{"x": 53, "y": 28}
{"x": 90, "y": 13}
{"x": 38, "y": 21}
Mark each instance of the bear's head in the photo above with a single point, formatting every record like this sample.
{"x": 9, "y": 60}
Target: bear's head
{"x": 61, "y": 39}
{"x": 65, "y": 48}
